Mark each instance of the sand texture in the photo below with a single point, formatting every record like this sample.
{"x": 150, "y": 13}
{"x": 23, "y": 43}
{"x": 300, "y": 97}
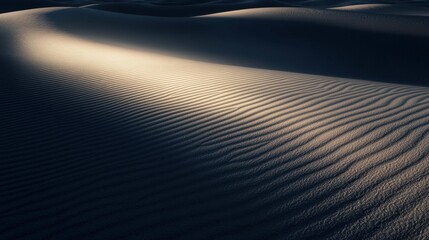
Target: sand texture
{"x": 254, "y": 120}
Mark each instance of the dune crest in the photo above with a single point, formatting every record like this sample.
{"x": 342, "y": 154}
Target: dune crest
{"x": 392, "y": 9}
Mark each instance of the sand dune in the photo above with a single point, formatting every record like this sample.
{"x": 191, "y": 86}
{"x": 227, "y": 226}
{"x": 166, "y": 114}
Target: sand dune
{"x": 363, "y": 46}
{"x": 182, "y": 8}
{"x": 150, "y": 9}
{"x": 16, "y": 5}
{"x": 251, "y": 124}
{"x": 393, "y": 9}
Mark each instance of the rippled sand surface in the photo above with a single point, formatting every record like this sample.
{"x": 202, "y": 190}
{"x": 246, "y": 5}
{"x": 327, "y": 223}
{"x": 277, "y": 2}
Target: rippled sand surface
{"x": 268, "y": 122}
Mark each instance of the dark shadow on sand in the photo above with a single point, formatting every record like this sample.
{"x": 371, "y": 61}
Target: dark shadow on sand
{"x": 75, "y": 165}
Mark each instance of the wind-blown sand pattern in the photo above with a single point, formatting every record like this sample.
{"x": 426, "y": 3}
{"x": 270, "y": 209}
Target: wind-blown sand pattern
{"x": 117, "y": 126}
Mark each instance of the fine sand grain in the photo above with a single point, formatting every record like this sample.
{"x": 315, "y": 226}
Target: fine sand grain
{"x": 265, "y": 123}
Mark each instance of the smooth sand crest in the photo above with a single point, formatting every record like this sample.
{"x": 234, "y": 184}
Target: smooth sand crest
{"x": 112, "y": 130}
{"x": 393, "y": 9}
{"x": 333, "y": 43}
{"x": 17, "y": 5}
{"x": 184, "y": 8}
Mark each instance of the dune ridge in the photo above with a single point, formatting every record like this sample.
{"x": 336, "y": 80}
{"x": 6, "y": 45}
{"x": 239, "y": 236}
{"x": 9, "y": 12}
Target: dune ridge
{"x": 108, "y": 136}
{"x": 186, "y": 8}
{"x": 393, "y": 9}
{"x": 351, "y": 45}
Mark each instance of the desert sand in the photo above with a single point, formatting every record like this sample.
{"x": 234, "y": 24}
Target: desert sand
{"x": 216, "y": 120}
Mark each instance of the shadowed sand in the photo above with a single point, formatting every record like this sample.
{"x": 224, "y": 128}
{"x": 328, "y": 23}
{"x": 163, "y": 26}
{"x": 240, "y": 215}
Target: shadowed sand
{"x": 249, "y": 124}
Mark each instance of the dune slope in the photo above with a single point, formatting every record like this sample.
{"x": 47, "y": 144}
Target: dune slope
{"x": 16, "y": 5}
{"x": 333, "y": 43}
{"x": 393, "y": 9}
{"x": 129, "y": 127}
